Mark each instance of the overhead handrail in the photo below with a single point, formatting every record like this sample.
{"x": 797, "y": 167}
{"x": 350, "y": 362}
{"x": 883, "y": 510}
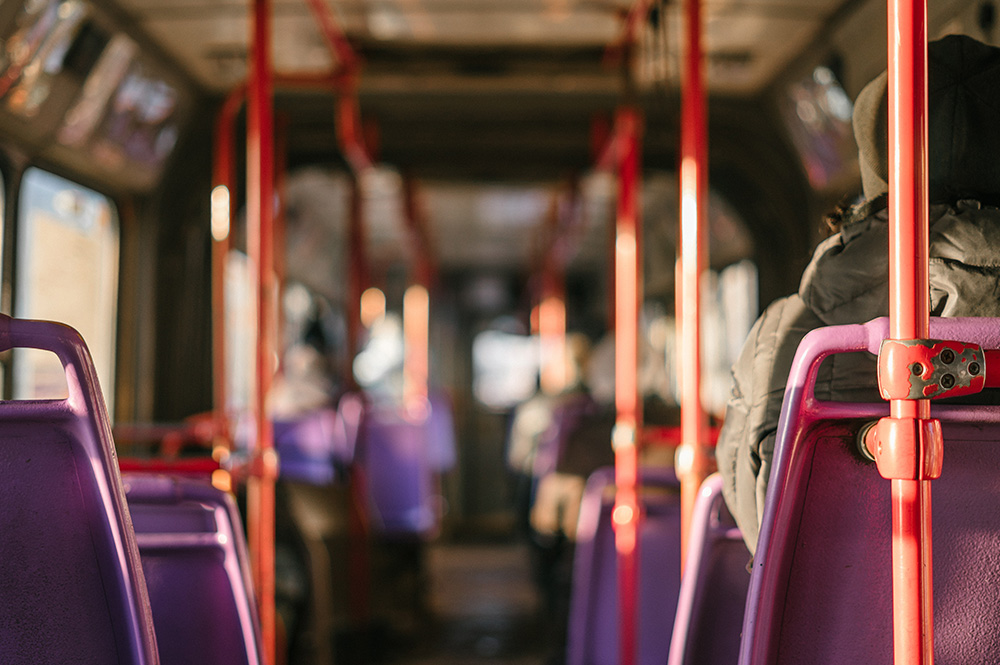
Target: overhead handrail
{"x": 350, "y": 138}
{"x": 694, "y": 458}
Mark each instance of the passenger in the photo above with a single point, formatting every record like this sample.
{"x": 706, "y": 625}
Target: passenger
{"x": 539, "y": 423}
{"x": 846, "y": 281}
{"x": 545, "y": 503}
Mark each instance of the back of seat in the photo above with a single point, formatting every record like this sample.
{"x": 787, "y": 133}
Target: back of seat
{"x": 594, "y": 618}
{"x": 394, "y": 455}
{"x": 197, "y": 571}
{"x": 72, "y": 588}
{"x": 821, "y": 590}
{"x": 714, "y": 588}
{"x": 307, "y": 445}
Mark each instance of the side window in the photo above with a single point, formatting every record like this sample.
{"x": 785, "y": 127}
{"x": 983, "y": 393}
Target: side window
{"x": 66, "y": 271}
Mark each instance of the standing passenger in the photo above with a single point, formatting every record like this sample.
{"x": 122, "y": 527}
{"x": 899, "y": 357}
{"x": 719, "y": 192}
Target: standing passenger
{"x": 846, "y": 281}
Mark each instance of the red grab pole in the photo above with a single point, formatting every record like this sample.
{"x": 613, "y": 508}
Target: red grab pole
{"x": 628, "y": 424}
{"x": 260, "y": 219}
{"x": 223, "y": 205}
{"x": 913, "y": 611}
{"x": 694, "y": 460}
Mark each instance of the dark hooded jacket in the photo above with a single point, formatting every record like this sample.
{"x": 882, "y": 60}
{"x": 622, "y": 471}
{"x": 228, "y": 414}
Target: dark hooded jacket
{"x": 847, "y": 279}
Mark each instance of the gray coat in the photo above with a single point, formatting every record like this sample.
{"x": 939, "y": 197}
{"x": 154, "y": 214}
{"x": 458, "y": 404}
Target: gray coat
{"x": 846, "y": 282}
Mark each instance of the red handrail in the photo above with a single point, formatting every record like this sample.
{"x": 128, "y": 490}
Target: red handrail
{"x": 416, "y": 309}
{"x": 694, "y": 458}
{"x": 260, "y": 216}
{"x": 913, "y": 615}
{"x": 628, "y": 424}
{"x": 223, "y": 202}
{"x": 336, "y": 41}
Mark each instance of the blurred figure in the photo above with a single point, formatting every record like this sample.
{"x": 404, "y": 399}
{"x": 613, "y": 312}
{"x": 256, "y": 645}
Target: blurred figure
{"x": 846, "y": 280}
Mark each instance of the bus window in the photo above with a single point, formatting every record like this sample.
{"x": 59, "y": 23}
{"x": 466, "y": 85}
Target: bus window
{"x": 241, "y": 320}
{"x": 67, "y": 271}
{"x": 817, "y": 112}
{"x": 505, "y": 367}
{"x": 29, "y": 93}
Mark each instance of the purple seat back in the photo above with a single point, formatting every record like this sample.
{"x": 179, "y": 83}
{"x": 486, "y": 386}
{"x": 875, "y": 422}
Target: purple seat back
{"x": 593, "y": 637}
{"x": 440, "y": 426}
{"x": 397, "y": 470}
{"x": 821, "y": 590}
{"x": 72, "y": 588}
{"x": 714, "y": 588}
{"x": 350, "y": 415}
{"x": 197, "y": 571}
{"x": 308, "y": 446}
{"x": 551, "y": 445}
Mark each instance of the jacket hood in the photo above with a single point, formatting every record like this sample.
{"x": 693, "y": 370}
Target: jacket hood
{"x": 963, "y": 123}
{"x": 847, "y": 279}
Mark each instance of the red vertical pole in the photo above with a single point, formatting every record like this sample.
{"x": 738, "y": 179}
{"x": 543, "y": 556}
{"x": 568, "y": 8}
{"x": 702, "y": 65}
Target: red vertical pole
{"x": 357, "y": 278}
{"x": 628, "y": 425}
{"x": 280, "y": 187}
{"x": 552, "y": 304}
{"x": 260, "y": 215}
{"x": 416, "y": 312}
{"x": 358, "y": 525}
{"x": 913, "y": 616}
{"x": 223, "y": 205}
{"x": 694, "y": 460}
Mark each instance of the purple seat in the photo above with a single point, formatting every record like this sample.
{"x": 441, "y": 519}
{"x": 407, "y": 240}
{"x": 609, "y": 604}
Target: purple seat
{"x": 400, "y": 483}
{"x": 593, "y": 637}
{"x": 307, "y": 446}
{"x": 72, "y": 588}
{"x": 714, "y": 588}
{"x": 552, "y": 443}
{"x": 440, "y": 425}
{"x": 197, "y": 571}
{"x": 821, "y": 590}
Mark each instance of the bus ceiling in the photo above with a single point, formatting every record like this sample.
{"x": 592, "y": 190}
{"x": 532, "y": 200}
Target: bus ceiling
{"x": 460, "y": 89}
{"x": 474, "y": 90}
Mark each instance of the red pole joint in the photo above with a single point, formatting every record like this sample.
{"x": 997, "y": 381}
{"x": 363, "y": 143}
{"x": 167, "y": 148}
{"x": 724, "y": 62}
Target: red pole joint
{"x": 907, "y": 448}
{"x": 264, "y": 464}
{"x": 911, "y": 369}
{"x": 930, "y": 368}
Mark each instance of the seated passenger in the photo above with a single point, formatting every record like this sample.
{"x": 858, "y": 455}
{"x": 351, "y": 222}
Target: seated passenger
{"x": 847, "y": 279}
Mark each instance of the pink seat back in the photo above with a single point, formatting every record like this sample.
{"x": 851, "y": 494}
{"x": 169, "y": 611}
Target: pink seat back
{"x": 714, "y": 588}
{"x": 72, "y": 587}
{"x": 821, "y": 590}
{"x": 197, "y": 570}
{"x": 594, "y": 621}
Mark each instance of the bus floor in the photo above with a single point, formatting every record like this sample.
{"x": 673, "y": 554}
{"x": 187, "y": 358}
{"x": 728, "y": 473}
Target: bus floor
{"x": 449, "y": 603}
{"x": 482, "y": 605}
{"x": 469, "y": 597}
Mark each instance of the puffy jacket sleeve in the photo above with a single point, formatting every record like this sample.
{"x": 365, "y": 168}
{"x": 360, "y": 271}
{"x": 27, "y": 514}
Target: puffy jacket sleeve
{"x": 746, "y": 442}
